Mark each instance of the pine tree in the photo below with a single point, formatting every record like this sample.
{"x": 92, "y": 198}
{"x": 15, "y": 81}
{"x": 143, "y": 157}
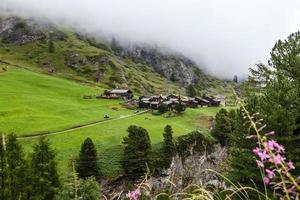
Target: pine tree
{"x": 222, "y": 128}
{"x": 3, "y": 168}
{"x": 243, "y": 168}
{"x": 136, "y": 152}
{"x": 16, "y": 168}
{"x": 168, "y": 148}
{"x": 87, "y": 163}
{"x": 89, "y": 189}
{"x": 162, "y": 108}
{"x": 279, "y": 105}
{"x": 179, "y": 107}
{"x": 45, "y": 180}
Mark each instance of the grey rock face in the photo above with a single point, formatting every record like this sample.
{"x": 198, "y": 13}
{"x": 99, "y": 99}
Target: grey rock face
{"x": 176, "y": 68}
{"x": 15, "y": 30}
{"x": 195, "y": 169}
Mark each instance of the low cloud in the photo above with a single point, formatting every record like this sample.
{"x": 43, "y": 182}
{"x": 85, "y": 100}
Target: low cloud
{"x": 223, "y": 37}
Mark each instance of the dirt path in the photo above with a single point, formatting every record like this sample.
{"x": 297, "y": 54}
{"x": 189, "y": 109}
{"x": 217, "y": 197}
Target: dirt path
{"x": 82, "y": 126}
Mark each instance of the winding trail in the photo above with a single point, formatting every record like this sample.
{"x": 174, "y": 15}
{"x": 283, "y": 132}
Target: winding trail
{"x": 81, "y": 126}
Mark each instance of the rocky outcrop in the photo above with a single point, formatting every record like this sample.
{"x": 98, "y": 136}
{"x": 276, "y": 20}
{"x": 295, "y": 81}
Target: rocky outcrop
{"x": 176, "y": 68}
{"x": 14, "y": 30}
{"x": 198, "y": 169}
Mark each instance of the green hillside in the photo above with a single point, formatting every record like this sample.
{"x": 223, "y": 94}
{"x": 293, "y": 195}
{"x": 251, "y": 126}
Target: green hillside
{"x": 116, "y": 73}
{"x": 42, "y": 91}
{"x": 32, "y": 103}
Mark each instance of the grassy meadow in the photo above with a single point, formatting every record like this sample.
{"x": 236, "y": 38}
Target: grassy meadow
{"x": 33, "y": 103}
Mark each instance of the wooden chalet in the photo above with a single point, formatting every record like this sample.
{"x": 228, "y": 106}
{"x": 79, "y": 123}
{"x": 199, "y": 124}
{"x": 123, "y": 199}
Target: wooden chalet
{"x": 222, "y": 99}
{"x": 144, "y": 103}
{"x": 212, "y": 101}
{"x": 202, "y": 102}
{"x": 156, "y": 98}
{"x": 190, "y": 102}
{"x": 154, "y": 105}
{"x": 118, "y": 94}
{"x": 172, "y": 96}
{"x": 169, "y": 104}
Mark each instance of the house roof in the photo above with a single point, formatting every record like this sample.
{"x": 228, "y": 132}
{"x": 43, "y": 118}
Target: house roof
{"x": 146, "y": 99}
{"x": 204, "y": 100}
{"x": 119, "y": 91}
{"x": 167, "y": 102}
{"x": 156, "y": 97}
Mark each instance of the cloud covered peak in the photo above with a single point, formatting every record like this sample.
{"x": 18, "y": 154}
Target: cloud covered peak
{"x": 223, "y": 37}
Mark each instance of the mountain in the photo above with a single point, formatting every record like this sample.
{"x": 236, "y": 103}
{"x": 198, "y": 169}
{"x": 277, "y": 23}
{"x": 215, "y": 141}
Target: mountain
{"x": 42, "y": 46}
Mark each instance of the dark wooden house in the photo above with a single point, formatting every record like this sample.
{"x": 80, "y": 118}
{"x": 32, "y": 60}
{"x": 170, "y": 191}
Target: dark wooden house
{"x": 144, "y": 102}
{"x": 154, "y": 105}
{"x": 212, "y": 101}
{"x": 202, "y": 102}
{"x": 119, "y": 93}
{"x": 156, "y": 98}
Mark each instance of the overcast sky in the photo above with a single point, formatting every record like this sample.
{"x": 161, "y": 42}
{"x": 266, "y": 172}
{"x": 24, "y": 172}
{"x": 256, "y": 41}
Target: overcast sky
{"x": 225, "y": 37}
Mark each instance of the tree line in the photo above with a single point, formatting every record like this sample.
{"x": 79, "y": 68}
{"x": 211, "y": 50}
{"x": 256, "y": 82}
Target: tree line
{"x": 273, "y": 94}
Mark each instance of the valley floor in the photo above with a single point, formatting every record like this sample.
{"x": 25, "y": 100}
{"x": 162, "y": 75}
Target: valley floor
{"x": 32, "y": 104}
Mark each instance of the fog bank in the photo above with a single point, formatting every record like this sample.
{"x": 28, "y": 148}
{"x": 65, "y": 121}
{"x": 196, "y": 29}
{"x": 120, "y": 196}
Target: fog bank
{"x": 223, "y": 37}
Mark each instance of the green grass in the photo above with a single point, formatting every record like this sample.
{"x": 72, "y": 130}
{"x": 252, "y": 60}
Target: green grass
{"x": 33, "y": 55}
{"x": 108, "y": 136}
{"x": 31, "y": 102}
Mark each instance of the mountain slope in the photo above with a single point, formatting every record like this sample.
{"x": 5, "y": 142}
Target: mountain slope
{"x": 44, "y": 47}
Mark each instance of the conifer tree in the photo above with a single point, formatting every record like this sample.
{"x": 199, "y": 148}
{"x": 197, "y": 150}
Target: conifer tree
{"x": 45, "y": 180}
{"x": 136, "y": 152}
{"x": 279, "y": 84}
{"x": 3, "y": 170}
{"x": 243, "y": 168}
{"x": 87, "y": 163}
{"x": 16, "y": 169}
{"x": 222, "y": 128}
{"x": 168, "y": 148}
{"x": 179, "y": 107}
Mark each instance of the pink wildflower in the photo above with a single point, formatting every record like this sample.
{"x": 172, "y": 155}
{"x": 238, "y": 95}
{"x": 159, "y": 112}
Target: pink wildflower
{"x": 256, "y": 151}
{"x": 280, "y": 148}
{"x": 133, "y": 195}
{"x": 270, "y": 173}
{"x": 290, "y": 165}
{"x": 263, "y": 155}
{"x": 259, "y": 163}
{"x": 277, "y": 159}
{"x": 266, "y": 180}
{"x": 271, "y": 144}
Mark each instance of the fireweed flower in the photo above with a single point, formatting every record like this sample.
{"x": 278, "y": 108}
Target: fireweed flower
{"x": 263, "y": 155}
{"x": 270, "y": 173}
{"x": 266, "y": 180}
{"x": 278, "y": 159}
{"x": 259, "y": 163}
{"x": 273, "y": 164}
{"x": 133, "y": 195}
{"x": 256, "y": 151}
{"x": 290, "y": 165}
